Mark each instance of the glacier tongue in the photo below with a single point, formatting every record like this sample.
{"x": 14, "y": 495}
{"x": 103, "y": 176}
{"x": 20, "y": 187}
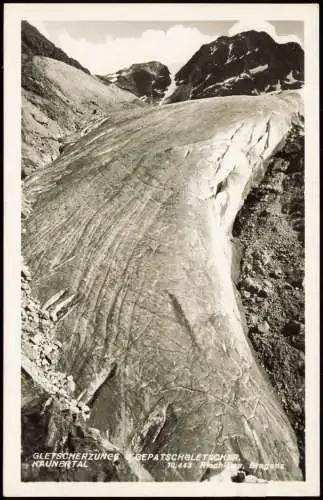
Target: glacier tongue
{"x": 148, "y": 224}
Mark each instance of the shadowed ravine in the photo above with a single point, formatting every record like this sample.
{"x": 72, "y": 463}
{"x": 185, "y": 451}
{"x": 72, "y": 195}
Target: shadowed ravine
{"x": 130, "y": 236}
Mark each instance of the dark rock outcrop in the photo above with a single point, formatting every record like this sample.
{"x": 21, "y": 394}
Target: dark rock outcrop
{"x": 148, "y": 81}
{"x": 247, "y": 63}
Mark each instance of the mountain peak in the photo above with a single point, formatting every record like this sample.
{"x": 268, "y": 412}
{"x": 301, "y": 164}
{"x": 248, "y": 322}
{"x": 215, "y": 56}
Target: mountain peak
{"x": 148, "y": 80}
{"x": 249, "y": 63}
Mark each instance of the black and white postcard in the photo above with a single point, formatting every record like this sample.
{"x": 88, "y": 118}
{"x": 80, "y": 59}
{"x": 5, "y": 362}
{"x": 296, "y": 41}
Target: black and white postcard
{"x": 161, "y": 250}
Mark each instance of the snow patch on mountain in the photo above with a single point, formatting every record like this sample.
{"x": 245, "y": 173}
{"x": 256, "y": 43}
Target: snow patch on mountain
{"x": 169, "y": 90}
{"x": 258, "y": 69}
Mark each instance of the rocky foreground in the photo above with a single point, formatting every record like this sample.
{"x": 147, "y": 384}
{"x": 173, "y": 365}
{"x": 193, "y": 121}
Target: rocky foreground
{"x": 133, "y": 270}
{"x": 270, "y": 232}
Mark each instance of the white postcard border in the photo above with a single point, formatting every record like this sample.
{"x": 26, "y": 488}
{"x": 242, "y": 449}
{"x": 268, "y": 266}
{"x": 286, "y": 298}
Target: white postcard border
{"x": 13, "y": 14}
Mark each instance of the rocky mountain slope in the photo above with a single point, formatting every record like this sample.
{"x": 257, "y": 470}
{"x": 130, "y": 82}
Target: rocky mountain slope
{"x": 248, "y": 63}
{"x": 33, "y": 43}
{"x": 60, "y": 100}
{"x": 131, "y": 257}
{"x": 270, "y": 232}
{"x": 149, "y": 80}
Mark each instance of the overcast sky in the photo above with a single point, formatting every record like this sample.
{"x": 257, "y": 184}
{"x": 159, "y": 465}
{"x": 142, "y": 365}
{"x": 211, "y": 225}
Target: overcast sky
{"x": 106, "y": 46}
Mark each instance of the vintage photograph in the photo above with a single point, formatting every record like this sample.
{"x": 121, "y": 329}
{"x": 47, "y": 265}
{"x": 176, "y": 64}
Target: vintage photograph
{"x": 163, "y": 327}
